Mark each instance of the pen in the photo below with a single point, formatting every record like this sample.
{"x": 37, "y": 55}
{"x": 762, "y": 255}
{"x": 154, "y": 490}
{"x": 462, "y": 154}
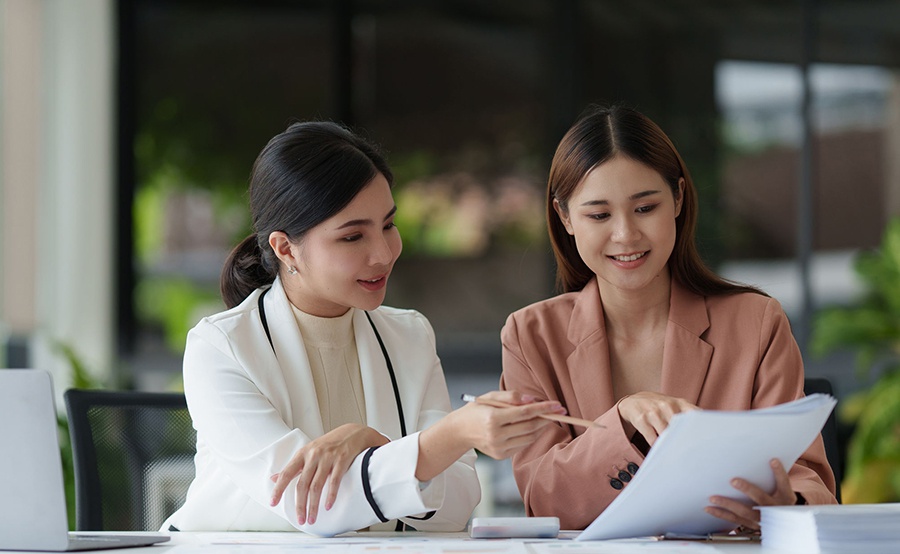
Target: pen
{"x": 555, "y": 417}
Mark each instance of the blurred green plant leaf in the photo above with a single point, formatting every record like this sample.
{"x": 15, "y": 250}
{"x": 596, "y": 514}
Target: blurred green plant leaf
{"x": 80, "y": 378}
{"x": 175, "y": 305}
{"x": 872, "y": 329}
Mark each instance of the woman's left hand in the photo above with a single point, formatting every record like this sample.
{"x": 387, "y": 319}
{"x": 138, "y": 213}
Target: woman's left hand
{"x": 745, "y": 516}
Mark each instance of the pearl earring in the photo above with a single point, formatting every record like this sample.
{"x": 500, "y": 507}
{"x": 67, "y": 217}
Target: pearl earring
{"x": 292, "y": 270}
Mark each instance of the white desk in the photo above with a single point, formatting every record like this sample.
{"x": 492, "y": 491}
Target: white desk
{"x": 421, "y": 543}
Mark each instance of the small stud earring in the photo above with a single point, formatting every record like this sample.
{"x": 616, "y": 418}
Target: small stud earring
{"x": 292, "y": 270}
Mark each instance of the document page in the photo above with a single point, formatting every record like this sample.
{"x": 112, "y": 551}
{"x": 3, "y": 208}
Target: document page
{"x": 697, "y": 456}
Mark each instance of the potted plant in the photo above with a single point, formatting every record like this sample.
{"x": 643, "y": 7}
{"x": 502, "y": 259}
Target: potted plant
{"x": 872, "y": 329}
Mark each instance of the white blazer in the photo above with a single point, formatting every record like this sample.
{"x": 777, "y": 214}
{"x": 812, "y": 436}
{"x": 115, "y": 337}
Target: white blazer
{"x": 254, "y": 405}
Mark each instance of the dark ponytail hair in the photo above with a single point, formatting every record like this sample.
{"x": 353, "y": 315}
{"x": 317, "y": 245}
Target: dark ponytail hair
{"x": 302, "y": 177}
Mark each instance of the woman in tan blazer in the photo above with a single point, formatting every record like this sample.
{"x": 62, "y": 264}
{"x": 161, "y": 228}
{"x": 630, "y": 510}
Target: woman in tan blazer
{"x": 643, "y": 330}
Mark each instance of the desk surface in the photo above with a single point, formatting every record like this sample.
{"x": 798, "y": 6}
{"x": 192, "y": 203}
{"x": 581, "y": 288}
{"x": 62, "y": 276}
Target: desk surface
{"x": 421, "y": 543}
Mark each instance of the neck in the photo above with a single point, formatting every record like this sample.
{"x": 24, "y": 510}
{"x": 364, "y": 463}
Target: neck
{"x": 633, "y": 313}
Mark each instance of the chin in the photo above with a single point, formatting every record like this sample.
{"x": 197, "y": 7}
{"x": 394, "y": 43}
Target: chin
{"x": 370, "y": 304}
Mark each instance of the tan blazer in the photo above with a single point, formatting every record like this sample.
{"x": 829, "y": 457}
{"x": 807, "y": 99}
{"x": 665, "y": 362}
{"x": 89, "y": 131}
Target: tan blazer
{"x": 729, "y": 352}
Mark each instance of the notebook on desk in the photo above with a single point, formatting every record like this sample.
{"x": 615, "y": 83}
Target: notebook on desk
{"x": 32, "y": 495}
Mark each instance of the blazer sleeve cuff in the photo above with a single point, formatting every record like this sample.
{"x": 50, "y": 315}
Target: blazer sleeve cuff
{"x": 387, "y": 489}
{"x": 389, "y": 478}
{"x": 812, "y": 492}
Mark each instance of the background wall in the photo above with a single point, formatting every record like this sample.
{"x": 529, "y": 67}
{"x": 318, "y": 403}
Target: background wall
{"x": 57, "y": 186}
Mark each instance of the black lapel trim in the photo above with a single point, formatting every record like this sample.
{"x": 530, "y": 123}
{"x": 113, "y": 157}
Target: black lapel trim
{"x": 390, "y": 367}
{"x": 262, "y": 317}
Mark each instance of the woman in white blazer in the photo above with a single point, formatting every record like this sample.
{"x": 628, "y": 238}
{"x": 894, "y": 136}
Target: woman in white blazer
{"x": 348, "y": 432}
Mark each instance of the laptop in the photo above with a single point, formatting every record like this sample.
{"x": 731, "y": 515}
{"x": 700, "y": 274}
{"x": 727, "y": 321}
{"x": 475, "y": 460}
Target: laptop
{"x": 32, "y": 494}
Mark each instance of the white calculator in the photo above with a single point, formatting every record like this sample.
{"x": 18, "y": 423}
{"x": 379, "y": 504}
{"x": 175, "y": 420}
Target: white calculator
{"x": 514, "y": 527}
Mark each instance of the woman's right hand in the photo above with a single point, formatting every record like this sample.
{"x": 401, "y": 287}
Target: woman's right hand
{"x": 321, "y": 462}
{"x": 649, "y": 413}
{"x": 498, "y": 432}
{"x": 501, "y": 432}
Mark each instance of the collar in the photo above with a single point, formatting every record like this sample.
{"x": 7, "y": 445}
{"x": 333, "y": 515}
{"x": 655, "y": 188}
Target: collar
{"x": 687, "y": 310}
{"x": 292, "y": 359}
{"x": 686, "y": 355}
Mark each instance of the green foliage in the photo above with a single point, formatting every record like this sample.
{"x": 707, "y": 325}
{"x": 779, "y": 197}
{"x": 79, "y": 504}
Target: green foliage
{"x": 872, "y": 329}
{"x": 80, "y": 378}
{"x": 455, "y": 213}
{"x": 167, "y": 182}
{"x": 175, "y": 305}
{"x": 172, "y": 302}
{"x": 148, "y": 211}
{"x": 873, "y": 458}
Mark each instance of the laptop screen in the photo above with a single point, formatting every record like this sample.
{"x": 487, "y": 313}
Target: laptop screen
{"x": 32, "y": 494}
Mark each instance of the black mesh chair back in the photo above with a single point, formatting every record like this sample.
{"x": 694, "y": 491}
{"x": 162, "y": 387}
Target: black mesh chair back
{"x": 133, "y": 456}
{"x": 833, "y": 450}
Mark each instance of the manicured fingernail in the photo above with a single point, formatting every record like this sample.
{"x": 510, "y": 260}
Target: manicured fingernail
{"x": 301, "y": 520}
{"x": 736, "y": 483}
{"x": 527, "y": 398}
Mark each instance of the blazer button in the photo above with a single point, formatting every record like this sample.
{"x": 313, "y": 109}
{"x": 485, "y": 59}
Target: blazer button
{"x": 616, "y": 484}
{"x": 624, "y": 476}
{"x": 632, "y": 467}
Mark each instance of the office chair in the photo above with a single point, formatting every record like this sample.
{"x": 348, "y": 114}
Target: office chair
{"x": 833, "y": 450}
{"x": 133, "y": 457}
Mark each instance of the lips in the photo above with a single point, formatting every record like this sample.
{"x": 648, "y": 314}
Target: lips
{"x": 629, "y": 257}
{"x": 373, "y": 284}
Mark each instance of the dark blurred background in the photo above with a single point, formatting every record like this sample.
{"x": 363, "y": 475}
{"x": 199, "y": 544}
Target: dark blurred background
{"x": 469, "y": 99}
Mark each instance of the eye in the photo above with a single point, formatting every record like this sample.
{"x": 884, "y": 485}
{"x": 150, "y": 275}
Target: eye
{"x": 352, "y": 238}
{"x": 646, "y": 209}
{"x": 599, "y": 217}
{"x": 390, "y": 226}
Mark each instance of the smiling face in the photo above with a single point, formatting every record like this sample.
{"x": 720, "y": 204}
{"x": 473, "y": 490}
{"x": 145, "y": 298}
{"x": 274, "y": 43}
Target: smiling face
{"x": 346, "y": 260}
{"x": 622, "y": 216}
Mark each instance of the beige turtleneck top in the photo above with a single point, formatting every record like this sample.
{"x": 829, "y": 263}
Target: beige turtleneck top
{"x": 333, "y": 360}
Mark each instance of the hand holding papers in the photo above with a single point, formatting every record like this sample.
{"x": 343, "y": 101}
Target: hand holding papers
{"x": 697, "y": 456}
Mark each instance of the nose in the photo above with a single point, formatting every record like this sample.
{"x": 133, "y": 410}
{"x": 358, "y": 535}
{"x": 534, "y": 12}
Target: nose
{"x": 382, "y": 253}
{"x": 626, "y": 230}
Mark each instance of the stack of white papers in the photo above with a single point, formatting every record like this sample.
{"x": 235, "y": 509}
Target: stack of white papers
{"x": 849, "y": 529}
{"x": 697, "y": 456}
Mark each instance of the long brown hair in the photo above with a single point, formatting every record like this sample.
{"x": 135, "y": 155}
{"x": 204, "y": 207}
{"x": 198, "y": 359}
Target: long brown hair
{"x": 600, "y": 134}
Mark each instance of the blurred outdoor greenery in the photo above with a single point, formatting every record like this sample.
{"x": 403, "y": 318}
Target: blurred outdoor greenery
{"x": 80, "y": 378}
{"x": 185, "y": 204}
{"x": 872, "y": 329}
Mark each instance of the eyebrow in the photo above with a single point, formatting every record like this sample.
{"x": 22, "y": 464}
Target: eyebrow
{"x": 355, "y": 222}
{"x": 636, "y": 196}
